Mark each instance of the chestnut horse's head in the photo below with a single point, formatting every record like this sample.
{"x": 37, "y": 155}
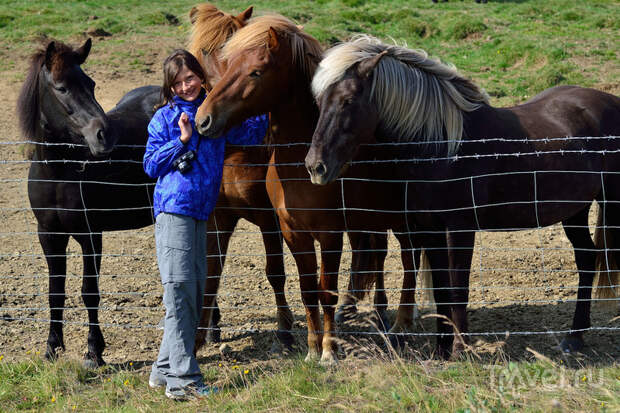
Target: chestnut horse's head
{"x": 266, "y": 60}
{"x": 368, "y": 91}
{"x": 57, "y": 101}
{"x": 211, "y": 28}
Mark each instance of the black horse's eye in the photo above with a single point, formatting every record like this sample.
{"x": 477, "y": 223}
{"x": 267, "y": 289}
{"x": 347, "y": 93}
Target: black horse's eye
{"x": 256, "y": 73}
{"x": 61, "y": 89}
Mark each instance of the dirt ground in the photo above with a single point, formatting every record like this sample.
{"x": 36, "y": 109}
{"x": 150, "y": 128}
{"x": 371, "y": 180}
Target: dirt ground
{"x": 521, "y": 282}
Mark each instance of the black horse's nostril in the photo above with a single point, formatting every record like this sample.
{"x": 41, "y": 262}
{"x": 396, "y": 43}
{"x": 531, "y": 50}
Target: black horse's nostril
{"x": 101, "y": 135}
{"x": 320, "y": 169}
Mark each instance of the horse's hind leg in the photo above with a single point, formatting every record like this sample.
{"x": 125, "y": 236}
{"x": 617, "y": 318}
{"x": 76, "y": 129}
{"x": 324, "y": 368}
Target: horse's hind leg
{"x": 274, "y": 268}
{"x": 91, "y": 250}
{"x": 379, "y": 246}
{"x": 578, "y": 233}
{"x": 55, "y": 248}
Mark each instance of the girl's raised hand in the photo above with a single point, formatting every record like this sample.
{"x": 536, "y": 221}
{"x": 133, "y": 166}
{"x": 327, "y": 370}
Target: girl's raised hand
{"x": 186, "y": 128}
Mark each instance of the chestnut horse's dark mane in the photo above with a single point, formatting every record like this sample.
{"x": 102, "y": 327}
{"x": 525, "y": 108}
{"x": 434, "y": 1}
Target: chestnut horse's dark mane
{"x": 28, "y": 100}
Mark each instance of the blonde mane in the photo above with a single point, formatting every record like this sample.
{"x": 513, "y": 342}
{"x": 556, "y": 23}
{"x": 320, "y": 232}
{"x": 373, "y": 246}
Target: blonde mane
{"x": 306, "y": 50}
{"x": 211, "y": 28}
{"x": 418, "y": 98}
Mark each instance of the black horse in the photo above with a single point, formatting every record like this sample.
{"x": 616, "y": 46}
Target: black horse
{"x": 86, "y": 174}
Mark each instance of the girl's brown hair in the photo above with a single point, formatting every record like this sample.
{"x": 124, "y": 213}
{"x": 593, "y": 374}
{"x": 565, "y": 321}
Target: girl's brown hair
{"x": 173, "y": 64}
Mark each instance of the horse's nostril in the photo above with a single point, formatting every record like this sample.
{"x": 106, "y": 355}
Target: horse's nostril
{"x": 100, "y": 135}
{"x": 206, "y": 123}
{"x": 320, "y": 169}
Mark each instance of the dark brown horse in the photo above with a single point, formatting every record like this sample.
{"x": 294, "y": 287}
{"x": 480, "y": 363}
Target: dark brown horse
{"x": 79, "y": 183}
{"x": 491, "y": 169}
{"x": 242, "y": 193}
{"x": 270, "y": 65}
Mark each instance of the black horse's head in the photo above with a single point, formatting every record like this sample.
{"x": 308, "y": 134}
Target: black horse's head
{"x": 57, "y": 101}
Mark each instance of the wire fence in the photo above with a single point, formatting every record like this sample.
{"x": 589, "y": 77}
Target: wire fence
{"x": 523, "y": 282}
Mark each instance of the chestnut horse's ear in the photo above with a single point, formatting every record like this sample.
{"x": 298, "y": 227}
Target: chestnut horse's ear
{"x": 192, "y": 14}
{"x": 273, "y": 43}
{"x": 82, "y": 52}
{"x": 49, "y": 54}
{"x": 365, "y": 67}
{"x": 244, "y": 16}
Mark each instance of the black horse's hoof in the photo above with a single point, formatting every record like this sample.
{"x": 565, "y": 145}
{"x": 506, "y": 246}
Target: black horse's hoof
{"x": 214, "y": 335}
{"x": 383, "y": 321}
{"x": 398, "y": 341}
{"x": 51, "y": 352}
{"x": 571, "y": 344}
{"x": 286, "y": 340}
{"x": 344, "y": 313}
{"x": 92, "y": 361}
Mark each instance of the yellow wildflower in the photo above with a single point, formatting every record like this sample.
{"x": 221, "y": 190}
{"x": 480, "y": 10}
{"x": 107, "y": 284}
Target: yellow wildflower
{"x": 53, "y": 399}
{"x": 246, "y": 371}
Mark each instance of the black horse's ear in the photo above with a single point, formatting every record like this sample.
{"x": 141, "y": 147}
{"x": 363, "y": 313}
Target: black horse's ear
{"x": 49, "y": 54}
{"x": 245, "y": 15}
{"x": 365, "y": 67}
{"x": 82, "y": 52}
{"x": 273, "y": 43}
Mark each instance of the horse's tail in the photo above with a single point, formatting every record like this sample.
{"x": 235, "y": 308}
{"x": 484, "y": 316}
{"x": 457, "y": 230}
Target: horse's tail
{"x": 607, "y": 267}
{"x": 426, "y": 279}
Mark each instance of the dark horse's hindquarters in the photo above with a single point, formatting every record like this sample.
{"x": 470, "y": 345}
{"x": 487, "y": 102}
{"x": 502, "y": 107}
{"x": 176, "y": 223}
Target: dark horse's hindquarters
{"x": 75, "y": 191}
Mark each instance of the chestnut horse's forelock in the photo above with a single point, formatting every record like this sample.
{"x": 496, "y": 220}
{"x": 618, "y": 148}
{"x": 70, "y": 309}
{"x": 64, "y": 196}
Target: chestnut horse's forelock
{"x": 306, "y": 50}
{"x": 438, "y": 92}
{"x": 211, "y": 28}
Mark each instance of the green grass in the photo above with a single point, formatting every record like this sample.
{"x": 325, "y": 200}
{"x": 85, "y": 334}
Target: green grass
{"x": 293, "y": 385}
{"x": 513, "y": 49}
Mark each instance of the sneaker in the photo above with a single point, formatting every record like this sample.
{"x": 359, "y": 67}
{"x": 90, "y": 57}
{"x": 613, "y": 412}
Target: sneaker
{"x": 190, "y": 393}
{"x": 156, "y": 382}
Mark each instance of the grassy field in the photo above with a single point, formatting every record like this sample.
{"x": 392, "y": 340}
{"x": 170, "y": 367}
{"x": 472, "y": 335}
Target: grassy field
{"x": 514, "y": 49}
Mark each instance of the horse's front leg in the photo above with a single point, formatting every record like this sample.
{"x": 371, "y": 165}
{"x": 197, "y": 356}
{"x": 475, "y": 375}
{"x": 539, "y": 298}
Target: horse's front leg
{"x": 460, "y": 252}
{"x": 301, "y": 245}
{"x": 91, "y": 251}
{"x": 55, "y": 249}
{"x": 331, "y": 251}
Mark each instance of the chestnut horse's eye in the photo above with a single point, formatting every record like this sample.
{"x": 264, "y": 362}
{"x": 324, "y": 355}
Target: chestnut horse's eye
{"x": 256, "y": 73}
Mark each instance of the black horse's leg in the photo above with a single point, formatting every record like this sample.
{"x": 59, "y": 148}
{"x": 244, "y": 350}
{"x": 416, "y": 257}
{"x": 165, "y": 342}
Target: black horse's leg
{"x": 91, "y": 250}
{"x": 436, "y": 249}
{"x": 379, "y": 247}
{"x": 578, "y": 233}
{"x": 55, "y": 249}
{"x": 460, "y": 252}
{"x": 274, "y": 268}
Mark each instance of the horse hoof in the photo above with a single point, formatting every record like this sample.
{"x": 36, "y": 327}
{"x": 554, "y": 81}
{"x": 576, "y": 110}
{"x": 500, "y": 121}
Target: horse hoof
{"x": 382, "y": 322}
{"x": 328, "y": 360}
{"x": 344, "y": 313}
{"x": 214, "y": 336}
{"x": 397, "y": 341}
{"x": 92, "y": 361}
{"x": 286, "y": 340}
{"x": 311, "y": 357}
{"x": 571, "y": 344}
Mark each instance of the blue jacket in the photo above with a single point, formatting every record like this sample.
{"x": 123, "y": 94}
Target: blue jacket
{"x": 194, "y": 193}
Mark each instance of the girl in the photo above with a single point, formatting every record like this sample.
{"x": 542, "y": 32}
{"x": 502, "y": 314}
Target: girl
{"x": 188, "y": 169}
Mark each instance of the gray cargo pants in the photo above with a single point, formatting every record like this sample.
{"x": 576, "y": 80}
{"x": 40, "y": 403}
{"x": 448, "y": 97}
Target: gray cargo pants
{"x": 181, "y": 255}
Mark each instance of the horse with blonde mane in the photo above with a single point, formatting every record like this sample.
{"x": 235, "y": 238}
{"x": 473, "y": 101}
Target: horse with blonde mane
{"x": 472, "y": 167}
{"x": 271, "y": 62}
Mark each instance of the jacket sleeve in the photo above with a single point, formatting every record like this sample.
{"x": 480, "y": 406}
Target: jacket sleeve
{"x": 161, "y": 149}
{"x": 250, "y": 132}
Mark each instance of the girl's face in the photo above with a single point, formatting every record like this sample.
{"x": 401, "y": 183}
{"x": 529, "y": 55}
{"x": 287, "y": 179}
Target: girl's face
{"x": 187, "y": 85}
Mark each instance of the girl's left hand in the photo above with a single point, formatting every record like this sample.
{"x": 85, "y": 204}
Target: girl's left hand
{"x": 186, "y": 128}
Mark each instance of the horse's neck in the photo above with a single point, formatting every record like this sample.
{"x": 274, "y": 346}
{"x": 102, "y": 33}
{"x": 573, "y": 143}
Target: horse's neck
{"x": 294, "y": 119}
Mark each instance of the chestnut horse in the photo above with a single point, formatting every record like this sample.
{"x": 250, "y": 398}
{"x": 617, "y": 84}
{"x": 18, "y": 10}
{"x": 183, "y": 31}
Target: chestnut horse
{"x": 270, "y": 65}
{"x": 491, "y": 169}
{"x": 242, "y": 193}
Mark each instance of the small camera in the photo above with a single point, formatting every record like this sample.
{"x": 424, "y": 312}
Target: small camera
{"x": 184, "y": 162}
